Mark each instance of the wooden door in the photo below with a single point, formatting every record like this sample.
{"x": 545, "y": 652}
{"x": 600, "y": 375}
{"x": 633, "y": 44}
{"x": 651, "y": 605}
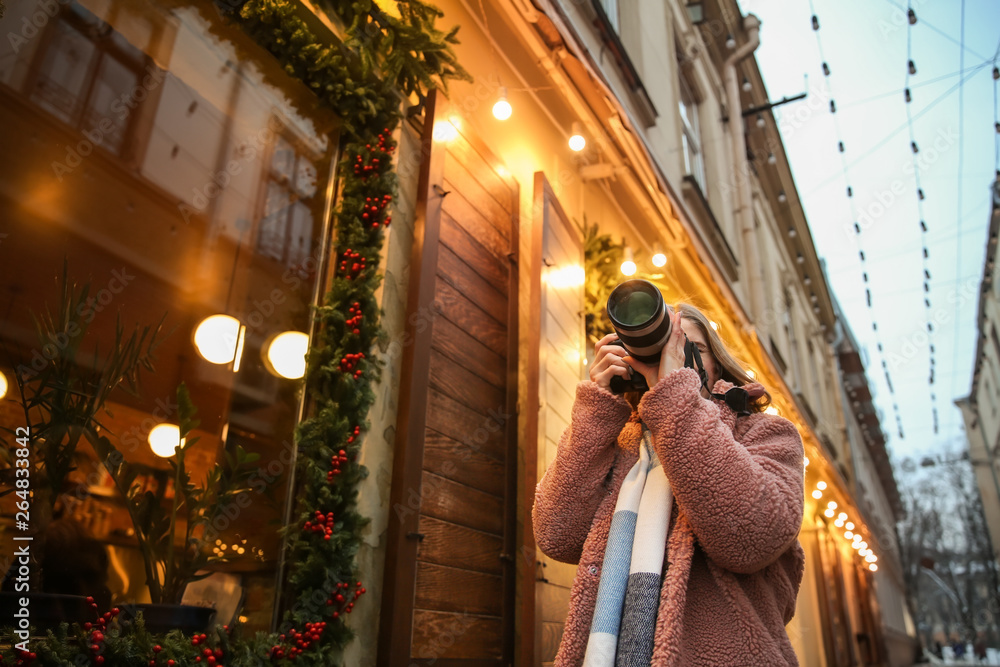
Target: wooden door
{"x": 557, "y": 349}
{"x": 449, "y": 584}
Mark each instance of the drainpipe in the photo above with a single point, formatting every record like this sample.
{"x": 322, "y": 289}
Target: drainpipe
{"x": 743, "y": 211}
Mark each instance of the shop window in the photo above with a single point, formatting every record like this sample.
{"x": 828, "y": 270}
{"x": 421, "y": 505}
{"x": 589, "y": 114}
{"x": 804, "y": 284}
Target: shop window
{"x": 219, "y": 212}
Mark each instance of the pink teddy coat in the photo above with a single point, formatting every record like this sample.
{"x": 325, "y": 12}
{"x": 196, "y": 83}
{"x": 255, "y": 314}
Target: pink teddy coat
{"x": 733, "y": 563}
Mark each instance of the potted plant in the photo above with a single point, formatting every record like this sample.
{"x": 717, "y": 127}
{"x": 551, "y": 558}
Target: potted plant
{"x": 170, "y": 563}
{"x": 62, "y": 391}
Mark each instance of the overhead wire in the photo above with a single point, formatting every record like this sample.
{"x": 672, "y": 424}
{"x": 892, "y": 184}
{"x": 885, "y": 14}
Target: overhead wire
{"x": 857, "y": 227}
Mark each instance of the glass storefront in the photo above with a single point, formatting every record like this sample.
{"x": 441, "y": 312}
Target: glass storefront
{"x": 175, "y": 168}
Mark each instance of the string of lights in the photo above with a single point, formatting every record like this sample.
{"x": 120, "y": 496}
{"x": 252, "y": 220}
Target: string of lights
{"x": 911, "y": 70}
{"x": 859, "y": 237}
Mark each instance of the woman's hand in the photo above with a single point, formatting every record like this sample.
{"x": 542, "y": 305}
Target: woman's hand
{"x": 608, "y": 362}
{"x": 671, "y": 358}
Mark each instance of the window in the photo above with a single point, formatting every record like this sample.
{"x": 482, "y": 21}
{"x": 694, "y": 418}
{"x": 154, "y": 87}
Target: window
{"x": 611, "y": 10}
{"x": 287, "y": 219}
{"x": 694, "y": 163}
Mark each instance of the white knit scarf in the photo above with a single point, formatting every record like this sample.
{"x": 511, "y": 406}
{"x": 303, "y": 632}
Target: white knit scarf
{"x": 628, "y": 596}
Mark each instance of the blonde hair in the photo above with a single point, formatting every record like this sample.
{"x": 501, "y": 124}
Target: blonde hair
{"x": 731, "y": 370}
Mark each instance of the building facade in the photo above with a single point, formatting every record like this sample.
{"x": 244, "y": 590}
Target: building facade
{"x": 979, "y": 408}
{"x": 171, "y": 159}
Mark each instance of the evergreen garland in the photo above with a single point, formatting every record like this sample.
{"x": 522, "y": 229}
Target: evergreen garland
{"x": 382, "y": 58}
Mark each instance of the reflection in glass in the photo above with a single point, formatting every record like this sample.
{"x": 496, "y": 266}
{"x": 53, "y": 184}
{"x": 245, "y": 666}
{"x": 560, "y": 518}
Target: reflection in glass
{"x": 179, "y": 172}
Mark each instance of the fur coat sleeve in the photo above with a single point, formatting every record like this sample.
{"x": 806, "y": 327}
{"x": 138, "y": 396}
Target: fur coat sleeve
{"x": 743, "y": 499}
{"x": 567, "y": 497}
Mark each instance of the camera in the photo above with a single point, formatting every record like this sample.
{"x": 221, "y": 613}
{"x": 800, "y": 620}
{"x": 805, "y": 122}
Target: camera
{"x": 641, "y": 320}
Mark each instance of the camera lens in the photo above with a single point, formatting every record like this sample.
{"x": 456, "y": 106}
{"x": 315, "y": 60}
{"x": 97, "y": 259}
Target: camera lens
{"x": 639, "y": 315}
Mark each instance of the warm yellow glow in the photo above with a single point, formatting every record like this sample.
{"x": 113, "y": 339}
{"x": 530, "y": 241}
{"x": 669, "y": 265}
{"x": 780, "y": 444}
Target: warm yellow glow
{"x": 389, "y": 7}
{"x": 771, "y": 410}
{"x": 863, "y": 552}
{"x": 239, "y": 349}
{"x": 164, "y": 439}
{"x": 850, "y": 526}
{"x": 628, "y": 267}
{"x": 659, "y": 259}
{"x": 873, "y": 567}
{"x": 864, "y": 545}
{"x": 821, "y": 485}
{"x": 817, "y": 494}
{"x": 502, "y": 109}
{"x": 828, "y": 513}
{"x": 873, "y": 557}
{"x": 3, "y": 385}
{"x": 444, "y": 131}
{"x": 563, "y": 277}
{"x": 576, "y": 140}
{"x": 805, "y": 459}
{"x": 753, "y": 376}
{"x": 572, "y": 356}
{"x": 832, "y": 504}
{"x": 215, "y": 338}
{"x": 848, "y": 534}
{"x": 714, "y": 325}
{"x": 842, "y": 516}
{"x": 287, "y": 354}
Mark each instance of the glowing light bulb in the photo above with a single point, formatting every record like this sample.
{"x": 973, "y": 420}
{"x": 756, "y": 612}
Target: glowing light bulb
{"x": 714, "y": 325}
{"x": 444, "y": 131}
{"x": 839, "y": 523}
{"x": 828, "y": 513}
{"x": 817, "y": 494}
{"x": 576, "y": 141}
{"x": 771, "y": 410}
{"x": 842, "y": 516}
{"x": 821, "y": 485}
{"x": 873, "y": 567}
{"x": 805, "y": 459}
{"x": 3, "y": 385}
{"x": 216, "y": 338}
{"x": 628, "y": 264}
{"x": 164, "y": 439}
{"x": 832, "y": 504}
{"x": 502, "y": 109}
{"x": 848, "y": 534}
{"x": 850, "y": 526}
{"x": 659, "y": 259}
{"x": 286, "y": 354}
{"x": 753, "y": 376}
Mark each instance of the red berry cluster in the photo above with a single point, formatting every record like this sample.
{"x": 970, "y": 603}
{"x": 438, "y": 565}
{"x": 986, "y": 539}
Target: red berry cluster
{"x": 349, "y": 363}
{"x": 298, "y": 641}
{"x": 384, "y": 147}
{"x": 97, "y": 630}
{"x": 168, "y": 663}
{"x": 338, "y": 598}
{"x": 335, "y": 461}
{"x": 320, "y": 524}
{"x": 23, "y": 657}
{"x": 372, "y": 211}
{"x": 351, "y": 263}
{"x": 354, "y": 434}
{"x": 354, "y": 321}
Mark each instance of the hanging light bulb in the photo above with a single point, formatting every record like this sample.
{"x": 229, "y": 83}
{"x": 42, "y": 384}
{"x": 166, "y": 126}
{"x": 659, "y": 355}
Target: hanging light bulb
{"x": 502, "y": 108}
{"x": 817, "y": 494}
{"x": 873, "y": 567}
{"x": 799, "y": 258}
{"x": 833, "y": 107}
{"x": 216, "y": 338}
{"x": 659, "y": 259}
{"x": 815, "y": 22}
{"x": 914, "y": 148}
{"x": 840, "y": 146}
{"x": 771, "y": 159}
{"x": 286, "y": 354}
{"x": 760, "y": 120}
{"x": 911, "y": 16}
{"x": 3, "y": 385}
{"x": 444, "y": 131}
{"x": 920, "y": 194}
{"x": 792, "y": 233}
{"x": 826, "y": 69}
{"x": 782, "y": 197}
{"x": 730, "y": 42}
{"x": 747, "y": 87}
{"x": 911, "y": 67}
{"x": 907, "y": 96}
{"x": 771, "y": 410}
{"x": 628, "y": 264}
{"x": 164, "y": 439}
{"x": 806, "y": 280}
{"x": 996, "y": 73}
{"x": 576, "y": 141}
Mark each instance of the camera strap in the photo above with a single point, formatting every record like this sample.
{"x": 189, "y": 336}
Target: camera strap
{"x": 736, "y": 398}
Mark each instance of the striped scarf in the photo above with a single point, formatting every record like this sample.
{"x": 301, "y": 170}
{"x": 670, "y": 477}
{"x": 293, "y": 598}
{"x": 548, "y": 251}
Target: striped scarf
{"x": 628, "y": 595}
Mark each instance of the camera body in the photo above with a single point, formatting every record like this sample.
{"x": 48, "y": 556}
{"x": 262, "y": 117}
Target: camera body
{"x": 637, "y": 381}
{"x": 641, "y": 320}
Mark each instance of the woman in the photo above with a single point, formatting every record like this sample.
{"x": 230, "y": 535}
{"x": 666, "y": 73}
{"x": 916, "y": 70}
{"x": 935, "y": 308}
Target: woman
{"x": 724, "y": 587}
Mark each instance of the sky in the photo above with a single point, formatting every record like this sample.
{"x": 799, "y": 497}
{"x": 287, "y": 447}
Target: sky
{"x": 865, "y": 45}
